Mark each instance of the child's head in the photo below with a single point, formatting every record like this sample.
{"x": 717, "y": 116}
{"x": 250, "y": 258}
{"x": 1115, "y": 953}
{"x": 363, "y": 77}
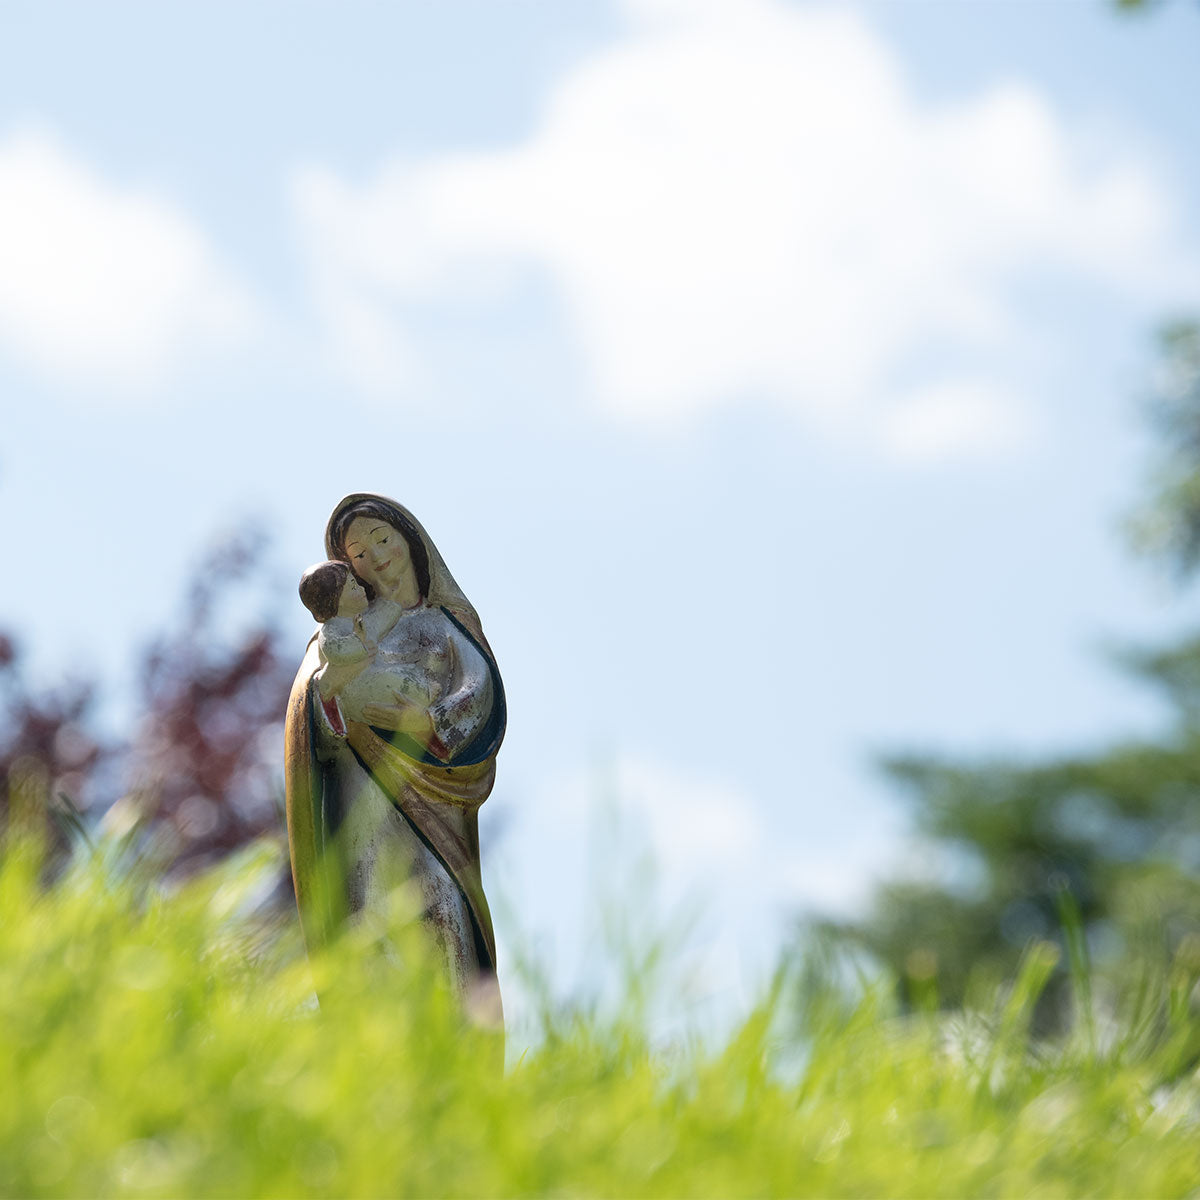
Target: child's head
{"x": 330, "y": 590}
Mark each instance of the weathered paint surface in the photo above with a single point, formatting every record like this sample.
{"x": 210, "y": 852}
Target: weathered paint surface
{"x": 387, "y": 785}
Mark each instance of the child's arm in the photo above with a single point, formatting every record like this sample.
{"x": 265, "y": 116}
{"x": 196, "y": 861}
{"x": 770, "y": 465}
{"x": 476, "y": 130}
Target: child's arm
{"x": 378, "y": 619}
{"x": 334, "y": 676}
{"x": 343, "y": 656}
{"x": 339, "y": 642}
{"x": 370, "y": 644}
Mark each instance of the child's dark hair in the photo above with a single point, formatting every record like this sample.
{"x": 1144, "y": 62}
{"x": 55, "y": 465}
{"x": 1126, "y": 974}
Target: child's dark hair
{"x": 321, "y": 588}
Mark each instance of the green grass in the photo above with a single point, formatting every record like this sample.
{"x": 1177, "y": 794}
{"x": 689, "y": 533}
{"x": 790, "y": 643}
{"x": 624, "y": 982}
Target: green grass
{"x": 157, "y": 1045}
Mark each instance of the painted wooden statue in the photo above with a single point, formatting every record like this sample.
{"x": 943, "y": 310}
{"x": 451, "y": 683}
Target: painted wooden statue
{"x": 393, "y": 726}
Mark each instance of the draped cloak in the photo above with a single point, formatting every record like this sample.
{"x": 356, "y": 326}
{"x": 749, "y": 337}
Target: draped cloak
{"x": 438, "y": 799}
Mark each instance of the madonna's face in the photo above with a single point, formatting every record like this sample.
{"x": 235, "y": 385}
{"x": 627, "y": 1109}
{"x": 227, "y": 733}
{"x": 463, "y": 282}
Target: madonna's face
{"x": 378, "y": 555}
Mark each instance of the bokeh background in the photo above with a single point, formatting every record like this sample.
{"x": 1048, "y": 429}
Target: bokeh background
{"x": 772, "y": 376}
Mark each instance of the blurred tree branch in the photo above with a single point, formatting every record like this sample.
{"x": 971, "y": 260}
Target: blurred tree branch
{"x": 200, "y": 775}
{"x": 1167, "y": 526}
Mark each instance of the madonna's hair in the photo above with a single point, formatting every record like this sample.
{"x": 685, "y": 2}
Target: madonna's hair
{"x": 398, "y": 521}
{"x": 321, "y": 588}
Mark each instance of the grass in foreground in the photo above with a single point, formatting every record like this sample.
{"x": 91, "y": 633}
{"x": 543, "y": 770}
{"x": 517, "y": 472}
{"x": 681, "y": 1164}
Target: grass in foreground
{"x": 148, "y": 1049}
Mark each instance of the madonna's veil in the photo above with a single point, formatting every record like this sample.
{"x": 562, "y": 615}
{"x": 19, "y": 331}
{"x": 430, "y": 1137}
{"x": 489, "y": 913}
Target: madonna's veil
{"x": 444, "y": 592}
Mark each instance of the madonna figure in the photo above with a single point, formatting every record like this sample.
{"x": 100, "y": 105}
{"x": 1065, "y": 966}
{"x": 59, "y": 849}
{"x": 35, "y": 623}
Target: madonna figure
{"x": 389, "y": 758}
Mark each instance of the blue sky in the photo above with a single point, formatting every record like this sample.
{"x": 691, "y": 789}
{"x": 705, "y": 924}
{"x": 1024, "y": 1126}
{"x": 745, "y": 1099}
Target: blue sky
{"x": 766, "y": 373}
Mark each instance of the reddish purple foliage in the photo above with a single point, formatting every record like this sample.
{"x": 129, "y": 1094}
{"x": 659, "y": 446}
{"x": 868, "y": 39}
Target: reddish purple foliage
{"x": 206, "y": 761}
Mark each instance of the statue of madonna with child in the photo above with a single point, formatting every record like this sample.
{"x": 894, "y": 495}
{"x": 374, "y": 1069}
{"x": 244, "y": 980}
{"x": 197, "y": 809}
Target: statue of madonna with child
{"x": 392, "y": 730}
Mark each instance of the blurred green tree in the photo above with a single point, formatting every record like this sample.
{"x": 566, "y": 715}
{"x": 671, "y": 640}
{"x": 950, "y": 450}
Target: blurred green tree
{"x": 1107, "y": 844}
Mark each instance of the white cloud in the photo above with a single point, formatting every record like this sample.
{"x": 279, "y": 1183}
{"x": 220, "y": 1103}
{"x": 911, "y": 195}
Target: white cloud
{"x": 103, "y": 284}
{"x": 718, "y": 852}
{"x": 710, "y": 842}
{"x": 957, "y": 419}
{"x": 708, "y": 848}
{"x": 745, "y": 198}
{"x": 698, "y": 826}
{"x": 693, "y": 824}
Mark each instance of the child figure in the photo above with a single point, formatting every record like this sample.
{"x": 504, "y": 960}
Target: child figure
{"x": 354, "y": 672}
{"x": 336, "y": 599}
